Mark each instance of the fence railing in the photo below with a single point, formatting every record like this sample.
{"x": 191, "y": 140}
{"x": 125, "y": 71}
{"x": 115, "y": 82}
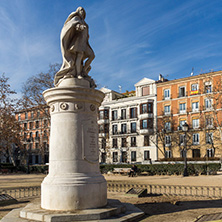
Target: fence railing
{"x": 22, "y": 192}
{"x": 174, "y": 190}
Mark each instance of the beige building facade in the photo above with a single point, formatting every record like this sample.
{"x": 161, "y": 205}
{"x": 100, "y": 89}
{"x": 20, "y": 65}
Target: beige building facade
{"x": 127, "y": 123}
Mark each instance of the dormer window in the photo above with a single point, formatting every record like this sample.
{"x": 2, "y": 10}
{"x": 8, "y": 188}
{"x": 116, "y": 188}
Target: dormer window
{"x": 145, "y": 90}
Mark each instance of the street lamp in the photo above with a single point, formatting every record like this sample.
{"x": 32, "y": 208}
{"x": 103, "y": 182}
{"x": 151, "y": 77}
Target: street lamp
{"x": 185, "y": 128}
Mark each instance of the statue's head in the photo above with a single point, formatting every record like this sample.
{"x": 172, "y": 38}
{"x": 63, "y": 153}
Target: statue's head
{"x": 81, "y": 11}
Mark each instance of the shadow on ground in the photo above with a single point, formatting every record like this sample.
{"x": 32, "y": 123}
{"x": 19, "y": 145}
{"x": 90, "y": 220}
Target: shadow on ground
{"x": 159, "y": 208}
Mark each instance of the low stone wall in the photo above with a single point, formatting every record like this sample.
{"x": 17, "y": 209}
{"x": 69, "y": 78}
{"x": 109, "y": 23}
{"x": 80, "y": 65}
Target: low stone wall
{"x": 112, "y": 186}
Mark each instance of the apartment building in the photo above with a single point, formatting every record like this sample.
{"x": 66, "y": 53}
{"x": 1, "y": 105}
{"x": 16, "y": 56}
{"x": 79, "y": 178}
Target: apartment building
{"x": 195, "y": 100}
{"x": 126, "y": 125}
{"x": 34, "y": 134}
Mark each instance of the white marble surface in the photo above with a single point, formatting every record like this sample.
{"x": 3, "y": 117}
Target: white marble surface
{"x": 74, "y": 180}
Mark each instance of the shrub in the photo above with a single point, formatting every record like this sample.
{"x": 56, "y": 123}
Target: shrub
{"x": 167, "y": 169}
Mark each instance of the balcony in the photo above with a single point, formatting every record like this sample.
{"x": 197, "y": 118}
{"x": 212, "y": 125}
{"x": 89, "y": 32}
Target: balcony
{"x": 37, "y": 138}
{"x": 146, "y": 131}
{"x": 103, "y": 121}
{"x": 146, "y": 115}
{"x": 167, "y": 97}
{"x": 180, "y": 95}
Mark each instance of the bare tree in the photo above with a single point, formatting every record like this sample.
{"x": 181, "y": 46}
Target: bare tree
{"x": 32, "y": 99}
{"x": 9, "y": 127}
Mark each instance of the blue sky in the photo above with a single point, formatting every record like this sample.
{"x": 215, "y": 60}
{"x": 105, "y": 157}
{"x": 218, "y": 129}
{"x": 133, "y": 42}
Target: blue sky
{"x": 132, "y": 39}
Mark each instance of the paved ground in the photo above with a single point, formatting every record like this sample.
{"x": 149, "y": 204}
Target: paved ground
{"x": 156, "y": 208}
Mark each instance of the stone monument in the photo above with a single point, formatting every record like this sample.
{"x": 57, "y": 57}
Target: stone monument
{"x": 74, "y": 189}
{"x": 74, "y": 174}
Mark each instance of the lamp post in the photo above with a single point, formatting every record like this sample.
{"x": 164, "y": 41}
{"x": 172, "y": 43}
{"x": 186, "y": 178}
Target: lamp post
{"x": 185, "y": 128}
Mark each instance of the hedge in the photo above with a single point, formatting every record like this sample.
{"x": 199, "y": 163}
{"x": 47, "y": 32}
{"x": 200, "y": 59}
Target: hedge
{"x": 34, "y": 168}
{"x": 167, "y": 169}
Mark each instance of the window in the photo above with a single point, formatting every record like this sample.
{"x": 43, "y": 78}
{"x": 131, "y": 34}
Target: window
{"x": 195, "y": 153}
{"x": 106, "y": 128}
{"x": 133, "y": 112}
{"x": 123, "y": 128}
{"x": 208, "y": 87}
{"x": 101, "y": 129}
{"x": 133, "y": 141}
{"x": 210, "y": 152}
{"x": 146, "y": 91}
{"x": 150, "y": 123}
{"x": 167, "y": 126}
{"x": 209, "y": 122}
{"x": 115, "y": 145}
{"x": 195, "y": 123}
{"x": 182, "y": 91}
{"x": 146, "y": 155}
{"x": 194, "y": 89}
{"x": 123, "y": 113}
{"x": 208, "y": 103}
{"x": 133, "y": 127}
{"x": 124, "y": 157}
{"x": 195, "y": 106}
{"x": 37, "y": 124}
{"x": 19, "y": 117}
{"x": 167, "y": 140}
{"x": 166, "y": 110}
{"x": 114, "y": 115}
{"x": 103, "y": 143}
{"x": 144, "y": 108}
{"x": 45, "y": 123}
{"x": 31, "y": 125}
{"x": 26, "y": 115}
{"x": 168, "y": 154}
{"x": 115, "y": 157}
{"x": 133, "y": 156}
{"x": 196, "y": 138}
{"x": 124, "y": 143}
{"x": 115, "y": 129}
{"x": 45, "y": 133}
{"x": 37, "y": 134}
{"x": 103, "y": 157}
{"x": 167, "y": 94}
{"x": 36, "y": 145}
{"x": 182, "y": 139}
{"x": 150, "y": 107}
{"x": 32, "y": 114}
{"x": 104, "y": 114}
{"x": 25, "y": 126}
{"x": 101, "y": 114}
{"x": 182, "y": 107}
{"x": 146, "y": 141}
{"x": 209, "y": 138}
{"x": 144, "y": 124}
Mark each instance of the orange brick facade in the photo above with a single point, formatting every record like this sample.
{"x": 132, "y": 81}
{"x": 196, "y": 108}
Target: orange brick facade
{"x": 34, "y": 134}
{"x": 195, "y": 100}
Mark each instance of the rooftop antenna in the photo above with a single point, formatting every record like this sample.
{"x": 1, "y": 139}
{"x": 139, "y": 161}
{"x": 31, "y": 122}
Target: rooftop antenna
{"x": 120, "y": 88}
{"x": 192, "y": 71}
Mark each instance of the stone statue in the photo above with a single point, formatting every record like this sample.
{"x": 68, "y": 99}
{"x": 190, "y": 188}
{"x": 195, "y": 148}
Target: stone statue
{"x": 75, "y": 48}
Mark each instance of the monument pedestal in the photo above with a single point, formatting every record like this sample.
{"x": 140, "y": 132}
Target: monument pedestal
{"x": 74, "y": 180}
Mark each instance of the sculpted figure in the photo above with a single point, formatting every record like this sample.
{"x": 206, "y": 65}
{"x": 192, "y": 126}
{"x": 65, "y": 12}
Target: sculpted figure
{"x": 75, "y": 48}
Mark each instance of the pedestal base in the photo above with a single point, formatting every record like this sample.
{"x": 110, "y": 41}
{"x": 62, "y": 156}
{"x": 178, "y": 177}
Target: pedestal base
{"x": 115, "y": 211}
{"x": 78, "y": 191}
